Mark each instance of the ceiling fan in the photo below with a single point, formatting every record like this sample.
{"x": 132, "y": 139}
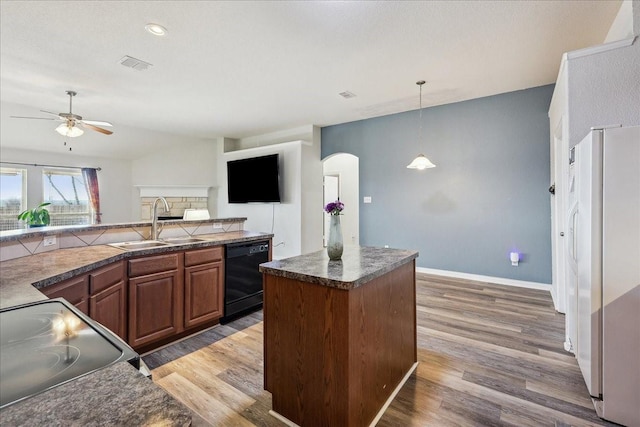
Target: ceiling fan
{"x": 72, "y": 123}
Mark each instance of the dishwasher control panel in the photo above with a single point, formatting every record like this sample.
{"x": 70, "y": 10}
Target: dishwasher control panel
{"x": 259, "y": 248}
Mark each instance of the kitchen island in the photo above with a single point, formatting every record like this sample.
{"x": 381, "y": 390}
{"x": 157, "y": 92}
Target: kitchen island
{"x": 339, "y": 336}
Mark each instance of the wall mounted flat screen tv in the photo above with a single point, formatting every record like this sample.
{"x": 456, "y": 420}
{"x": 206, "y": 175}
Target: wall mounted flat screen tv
{"x": 254, "y": 180}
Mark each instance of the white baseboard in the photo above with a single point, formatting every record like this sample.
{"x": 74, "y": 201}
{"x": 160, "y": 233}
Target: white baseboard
{"x": 393, "y": 395}
{"x": 489, "y": 279}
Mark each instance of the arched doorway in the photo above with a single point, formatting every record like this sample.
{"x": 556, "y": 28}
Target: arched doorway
{"x": 341, "y": 172}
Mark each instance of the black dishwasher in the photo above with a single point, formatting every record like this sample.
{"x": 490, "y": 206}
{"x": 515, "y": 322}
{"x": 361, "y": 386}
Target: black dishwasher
{"x": 243, "y": 280}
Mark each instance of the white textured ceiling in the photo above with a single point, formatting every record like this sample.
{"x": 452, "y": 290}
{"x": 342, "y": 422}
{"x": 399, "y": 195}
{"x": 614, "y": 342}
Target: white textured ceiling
{"x": 239, "y": 69}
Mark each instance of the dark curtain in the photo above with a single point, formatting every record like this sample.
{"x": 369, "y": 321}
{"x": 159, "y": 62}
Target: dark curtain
{"x": 91, "y": 179}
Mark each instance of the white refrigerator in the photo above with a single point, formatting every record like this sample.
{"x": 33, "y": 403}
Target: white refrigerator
{"x": 603, "y": 316}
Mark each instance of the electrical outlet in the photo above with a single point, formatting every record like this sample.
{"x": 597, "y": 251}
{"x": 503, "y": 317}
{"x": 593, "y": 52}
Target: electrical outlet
{"x": 49, "y": 241}
{"x": 366, "y": 199}
{"x": 217, "y": 225}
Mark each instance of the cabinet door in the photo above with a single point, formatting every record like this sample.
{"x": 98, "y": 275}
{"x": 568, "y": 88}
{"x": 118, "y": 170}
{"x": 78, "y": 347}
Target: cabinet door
{"x": 109, "y": 308}
{"x": 74, "y": 290}
{"x": 155, "y": 307}
{"x": 203, "y": 293}
{"x": 108, "y": 297}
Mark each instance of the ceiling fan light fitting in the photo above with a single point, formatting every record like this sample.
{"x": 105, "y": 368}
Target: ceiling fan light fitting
{"x": 69, "y": 130}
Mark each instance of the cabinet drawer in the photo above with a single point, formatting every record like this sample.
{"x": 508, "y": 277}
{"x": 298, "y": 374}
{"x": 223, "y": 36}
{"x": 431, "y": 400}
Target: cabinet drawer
{"x": 154, "y": 264}
{"x": 74, "y": 290}
{"x": 106, "y": 277}
{"x": 203, "y": 256}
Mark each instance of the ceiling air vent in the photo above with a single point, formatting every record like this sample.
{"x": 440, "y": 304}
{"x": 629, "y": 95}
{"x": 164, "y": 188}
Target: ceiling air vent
{"x": 136, "y": 64}
{"x": 346, "y": 94}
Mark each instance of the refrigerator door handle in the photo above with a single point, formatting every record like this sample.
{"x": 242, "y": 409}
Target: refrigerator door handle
{"x": 572, "y": 244}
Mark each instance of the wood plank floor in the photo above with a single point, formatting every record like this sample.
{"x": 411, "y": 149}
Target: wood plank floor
{"x": 489, "y": 355}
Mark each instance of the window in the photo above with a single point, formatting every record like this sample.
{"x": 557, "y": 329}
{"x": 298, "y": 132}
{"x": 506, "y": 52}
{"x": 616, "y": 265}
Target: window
{"x": 66, "y": 190}
{"x": 13, "y": 189}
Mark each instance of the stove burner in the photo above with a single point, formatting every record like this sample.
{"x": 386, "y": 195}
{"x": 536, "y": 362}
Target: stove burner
{"x": 46, "y": 344}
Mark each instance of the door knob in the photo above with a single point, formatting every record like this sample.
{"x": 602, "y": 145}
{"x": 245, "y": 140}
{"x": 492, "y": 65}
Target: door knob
{"x": 562, "y": 234}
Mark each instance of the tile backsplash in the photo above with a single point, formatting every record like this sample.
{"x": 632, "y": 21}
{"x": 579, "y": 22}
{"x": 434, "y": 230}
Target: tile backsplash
{"x": 177, "y": 205}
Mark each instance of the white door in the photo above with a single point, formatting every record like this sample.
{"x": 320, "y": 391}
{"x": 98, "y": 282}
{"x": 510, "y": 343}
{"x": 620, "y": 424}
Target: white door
{"x": 570, "y": 270}
{"x": 588, "y": 253}
{"x": 559, "y": 226}
{"x": 331, "y": 185}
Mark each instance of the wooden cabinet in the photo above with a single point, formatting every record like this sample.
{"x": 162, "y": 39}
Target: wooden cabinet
{"x": 149, "y": 300}
{"x": 203, "y": 286}
{"x": 108, "y": 297}
{"x": 100, "y": 294}
{"x": 155, "y": 298}
{"x": 74, "y": 290}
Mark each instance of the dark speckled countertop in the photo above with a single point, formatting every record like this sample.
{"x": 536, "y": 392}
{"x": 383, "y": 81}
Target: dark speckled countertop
{"x": 20, "y": 277}
{"x": 92, "y": 400}
{"x": 359, "y": 265}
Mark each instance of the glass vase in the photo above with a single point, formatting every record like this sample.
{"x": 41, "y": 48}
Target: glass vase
{"x": 334, "y": 246}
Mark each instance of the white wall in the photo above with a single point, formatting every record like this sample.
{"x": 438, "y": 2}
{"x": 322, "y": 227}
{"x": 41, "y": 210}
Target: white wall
{"x": 283, "y": 219}
{"x": 296, "y": 222}
{"x": 188, "y": 162}
{"x": 636, "y": 17}
{"x": 114, "y": 179}
{"x": 312, "y": 195}
{"x": 604, "y": 89}
{"x": 622, "y": 26}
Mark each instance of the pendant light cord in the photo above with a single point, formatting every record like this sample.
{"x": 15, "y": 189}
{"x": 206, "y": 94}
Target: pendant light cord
{"x": 420, "y": 83}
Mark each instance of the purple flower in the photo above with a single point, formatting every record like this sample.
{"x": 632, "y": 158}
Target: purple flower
{"x": 334, "y": 208}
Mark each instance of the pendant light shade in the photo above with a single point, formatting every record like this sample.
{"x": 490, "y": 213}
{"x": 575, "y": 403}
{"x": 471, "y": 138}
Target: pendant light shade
{"x": 67, "y": 129}
{"x": 421, "y": 162}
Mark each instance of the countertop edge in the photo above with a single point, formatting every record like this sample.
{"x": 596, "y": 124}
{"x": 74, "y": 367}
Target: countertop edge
{"x": 21, "y": 279}
{"x": 274, "y": 268}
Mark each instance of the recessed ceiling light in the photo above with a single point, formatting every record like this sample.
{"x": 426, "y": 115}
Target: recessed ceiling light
{"x": 156, "y": 29}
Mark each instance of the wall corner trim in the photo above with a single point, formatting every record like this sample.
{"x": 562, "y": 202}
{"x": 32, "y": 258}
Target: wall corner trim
{"x": 600, "y": 48}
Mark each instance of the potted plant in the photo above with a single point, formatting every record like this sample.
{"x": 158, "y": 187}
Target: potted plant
{"x": 36, "y": 217}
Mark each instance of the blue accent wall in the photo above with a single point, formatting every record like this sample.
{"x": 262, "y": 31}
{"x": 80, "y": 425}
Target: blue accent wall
{"x": 487, "y": 196}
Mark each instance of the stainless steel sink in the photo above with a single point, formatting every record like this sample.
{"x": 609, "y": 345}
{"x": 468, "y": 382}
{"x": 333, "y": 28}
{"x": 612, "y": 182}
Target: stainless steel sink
{"x": 182, "y": 240}
{"x": 143, "y": 244}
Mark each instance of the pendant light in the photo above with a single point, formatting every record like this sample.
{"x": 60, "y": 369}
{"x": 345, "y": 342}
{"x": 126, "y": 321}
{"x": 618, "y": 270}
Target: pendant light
{"x": 421, "y": 162}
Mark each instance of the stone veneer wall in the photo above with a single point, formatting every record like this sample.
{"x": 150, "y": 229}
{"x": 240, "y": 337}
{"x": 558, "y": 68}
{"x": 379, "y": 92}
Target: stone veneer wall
{"x": 177, "y": 205}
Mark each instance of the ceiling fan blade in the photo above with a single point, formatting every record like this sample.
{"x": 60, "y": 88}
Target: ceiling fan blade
{"x": 96, "y": 122}
{"x": 55, "y": 114}
{"x": 39, "y": 118}
{"x": 96, "y": 128}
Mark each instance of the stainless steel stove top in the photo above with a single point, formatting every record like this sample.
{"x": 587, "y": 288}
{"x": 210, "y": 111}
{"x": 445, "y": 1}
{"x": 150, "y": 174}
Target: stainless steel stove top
{"x": 48, "y": 343}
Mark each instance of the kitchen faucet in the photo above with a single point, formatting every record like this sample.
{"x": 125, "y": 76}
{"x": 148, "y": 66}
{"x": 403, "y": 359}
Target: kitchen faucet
{"x": 154, "y": 219}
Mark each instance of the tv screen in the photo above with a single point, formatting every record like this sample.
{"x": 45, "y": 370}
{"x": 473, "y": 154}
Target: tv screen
{"x": 254, "y": 180}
